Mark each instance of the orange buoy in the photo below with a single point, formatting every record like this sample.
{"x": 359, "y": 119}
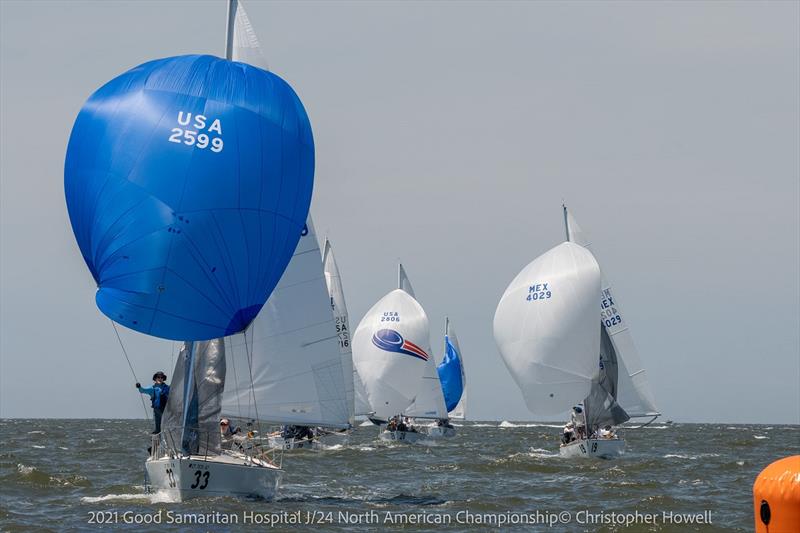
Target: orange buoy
{"x": 776, "y": 497}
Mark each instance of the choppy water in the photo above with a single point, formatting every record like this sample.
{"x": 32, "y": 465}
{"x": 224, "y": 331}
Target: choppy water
{"x": 54, "y": 474}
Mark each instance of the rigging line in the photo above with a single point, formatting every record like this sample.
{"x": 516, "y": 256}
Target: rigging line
{"x": 249, "y": 351}
{"x": 125, "y": 353}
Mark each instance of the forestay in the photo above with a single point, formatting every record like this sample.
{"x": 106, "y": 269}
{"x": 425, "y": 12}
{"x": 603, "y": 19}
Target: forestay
{"x": 390, "y": 352}
{"x": 633, "y": 388}
{"x": 292, "y": 351}
{"x": 546, "y": 329}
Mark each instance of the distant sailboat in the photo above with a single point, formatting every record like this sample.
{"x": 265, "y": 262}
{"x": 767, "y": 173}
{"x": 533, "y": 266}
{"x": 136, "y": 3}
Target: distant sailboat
{"x": 546, "y": 329}
{"x": 391, "y": 348}
{"x": 633, "y": 391}
{"x": 452, "y": 375}
{"x": 356, "y": 395}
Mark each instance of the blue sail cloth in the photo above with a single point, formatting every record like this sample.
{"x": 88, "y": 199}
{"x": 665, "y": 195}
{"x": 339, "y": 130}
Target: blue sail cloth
{"x": 188, "y": 182}
{"x": 450, "y": 375}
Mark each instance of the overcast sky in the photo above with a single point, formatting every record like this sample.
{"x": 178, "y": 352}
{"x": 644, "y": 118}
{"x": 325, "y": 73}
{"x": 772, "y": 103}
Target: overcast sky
{"x": 447, "y": 135}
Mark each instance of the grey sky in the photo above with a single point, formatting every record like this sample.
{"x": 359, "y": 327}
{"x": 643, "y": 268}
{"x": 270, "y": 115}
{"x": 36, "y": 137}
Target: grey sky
{"x": 447, "y": 135}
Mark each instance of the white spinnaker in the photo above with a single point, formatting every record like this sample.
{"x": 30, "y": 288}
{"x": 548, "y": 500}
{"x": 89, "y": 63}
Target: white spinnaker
{"x": 391, "y": 378}
{"x": 292, "y": 352}
{"x": 243, "y": 41}
{"x": 459, "y": 412}
{"x": 633, "y": 388}
{"x": 546, "y": 328}
{"x": 339, "y": 308}
{"x": 429, "y": 400}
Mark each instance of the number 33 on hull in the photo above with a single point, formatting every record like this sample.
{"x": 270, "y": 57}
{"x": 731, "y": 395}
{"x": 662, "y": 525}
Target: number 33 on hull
{"x": 183, "y": 478}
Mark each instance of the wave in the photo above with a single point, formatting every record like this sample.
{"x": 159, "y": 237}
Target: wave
{"x": 152, "y": 497}
{"x": 507, "y": 424}
{"x": 365, "y": 423}
{"x": 692, "y": 457}
{"x": 759, "y": 437}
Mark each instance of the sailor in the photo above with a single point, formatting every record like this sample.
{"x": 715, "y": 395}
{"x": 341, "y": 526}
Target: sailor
{"x": 606, "y": 433}
{"x": 159, "y": 394}
{"x": 401, "y": 425}
{"x": 230, "y": 435}
{"x": 392, "y": 425}
{"x": 569, "y": 433}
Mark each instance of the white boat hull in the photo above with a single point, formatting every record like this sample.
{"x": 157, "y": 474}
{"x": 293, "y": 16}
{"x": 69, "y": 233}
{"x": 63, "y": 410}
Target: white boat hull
{"x": 440, "y": 432}
{"x": 402, "y": 436}
{"x": 321, "y": 442}
{"x": 183, "y": 478}
{"x": 597, "y": 448}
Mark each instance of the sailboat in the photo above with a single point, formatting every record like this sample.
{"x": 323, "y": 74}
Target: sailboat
{"x": 357, "y": 403}
{"x": 391, "y": 348}
{"x": 290, "y": 370}
{"x": 621, "y": 391}
{"x": 452, "y": 377}
{"x": 180, "y": 250}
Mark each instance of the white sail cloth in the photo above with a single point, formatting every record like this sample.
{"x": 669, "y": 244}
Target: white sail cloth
{"x": 633, "y": 388}
{"x": 546, "y": 328}
{"x": 429, "y": 400}
{"x": 244, "y": 46}
{"x": 339, "y": 308}
{"x": 391, "y": 348}
{"x": 290, "y": 369}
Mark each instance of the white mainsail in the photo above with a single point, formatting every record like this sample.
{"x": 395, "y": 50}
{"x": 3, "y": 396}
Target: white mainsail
{"x": 403, "y": 282}
{"x": 290, "y": 369}
{"x": 546, "y": 329}
{"x": 633, "y": 388}
{"x": 242, "y": 40}
{"x": 391, "y": 348}
{"x": 356, "y": 397}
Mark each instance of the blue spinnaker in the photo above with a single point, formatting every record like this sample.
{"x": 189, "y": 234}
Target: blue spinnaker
{"x": 188, "y": 182}
{"x": 451, "y": 375}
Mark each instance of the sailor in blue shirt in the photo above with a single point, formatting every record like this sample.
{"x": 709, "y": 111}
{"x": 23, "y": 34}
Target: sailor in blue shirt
{"x": 159, "y": 394}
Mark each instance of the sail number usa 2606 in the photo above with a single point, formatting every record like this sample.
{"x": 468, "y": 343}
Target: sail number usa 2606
{"x": 539, "y": 291}
{"x": 199, "y": 131}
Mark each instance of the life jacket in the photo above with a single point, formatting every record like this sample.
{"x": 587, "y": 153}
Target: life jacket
{"x": 160, "y": 396}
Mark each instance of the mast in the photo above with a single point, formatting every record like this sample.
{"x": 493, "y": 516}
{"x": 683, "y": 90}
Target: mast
{"x": 399, "y": 275}
{"x": 566, "y": 222}
{"x": 232, "y": 5}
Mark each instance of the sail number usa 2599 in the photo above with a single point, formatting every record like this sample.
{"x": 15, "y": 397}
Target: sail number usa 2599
{"x": 538, "y": 291}
{"x": 199, "y": 131}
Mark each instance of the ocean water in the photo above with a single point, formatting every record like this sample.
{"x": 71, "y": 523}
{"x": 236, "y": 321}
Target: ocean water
{"x": 62, "y": 475}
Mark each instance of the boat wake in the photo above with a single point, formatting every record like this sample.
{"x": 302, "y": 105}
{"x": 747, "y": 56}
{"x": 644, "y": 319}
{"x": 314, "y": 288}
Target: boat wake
{"x": 507, "y": 424}
{"x": 153, "y": 497}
